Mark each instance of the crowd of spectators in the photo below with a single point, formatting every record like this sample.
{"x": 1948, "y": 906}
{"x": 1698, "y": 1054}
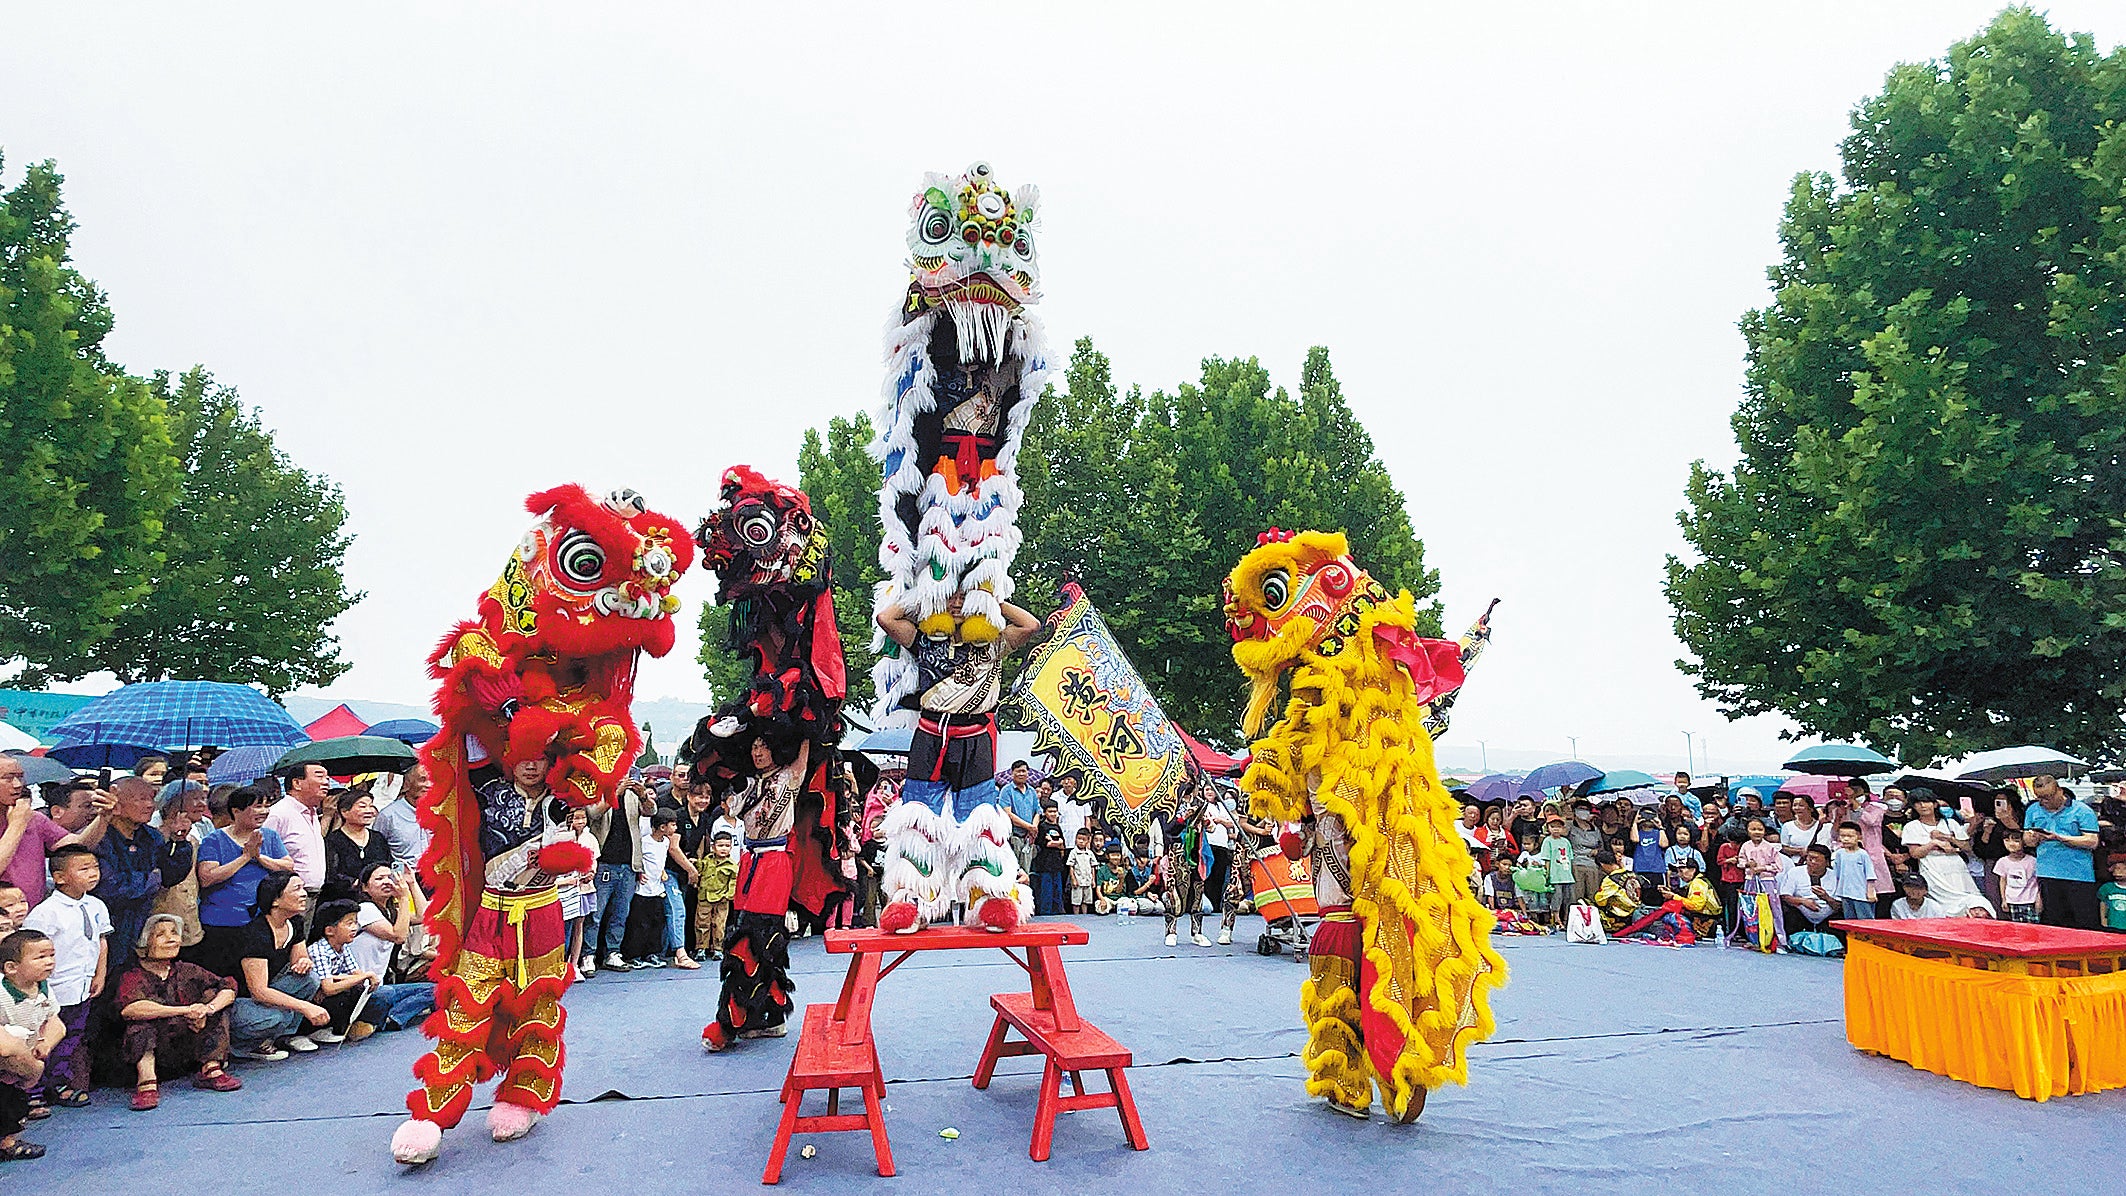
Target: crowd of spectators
{"x": 154, "y": 928}
{"x": 1774, "y": 874}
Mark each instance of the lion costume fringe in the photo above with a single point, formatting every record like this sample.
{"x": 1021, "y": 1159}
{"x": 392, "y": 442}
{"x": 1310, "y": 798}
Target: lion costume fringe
{"x": 1402, "y": 964}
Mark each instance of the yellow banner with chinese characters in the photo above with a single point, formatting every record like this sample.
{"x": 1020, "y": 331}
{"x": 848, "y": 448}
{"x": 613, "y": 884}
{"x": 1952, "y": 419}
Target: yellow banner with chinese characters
{"x": 1093, "y": 713}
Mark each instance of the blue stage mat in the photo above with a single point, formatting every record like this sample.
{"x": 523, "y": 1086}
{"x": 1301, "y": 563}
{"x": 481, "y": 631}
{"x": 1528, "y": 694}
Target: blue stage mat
{"x": 1614, "y": 1068}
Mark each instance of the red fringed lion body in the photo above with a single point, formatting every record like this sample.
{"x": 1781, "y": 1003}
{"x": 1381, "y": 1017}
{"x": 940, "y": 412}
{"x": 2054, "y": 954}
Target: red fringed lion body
{"x": 545, "y": 672}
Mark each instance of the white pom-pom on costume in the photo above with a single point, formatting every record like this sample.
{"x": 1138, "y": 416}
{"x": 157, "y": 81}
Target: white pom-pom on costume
{"x": 916, "y": 864}
{"x": 987, "y": 866}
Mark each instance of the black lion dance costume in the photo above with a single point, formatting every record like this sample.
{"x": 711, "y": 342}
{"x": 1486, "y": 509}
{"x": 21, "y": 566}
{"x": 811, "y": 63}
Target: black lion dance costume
{"x": 773, "y": 746}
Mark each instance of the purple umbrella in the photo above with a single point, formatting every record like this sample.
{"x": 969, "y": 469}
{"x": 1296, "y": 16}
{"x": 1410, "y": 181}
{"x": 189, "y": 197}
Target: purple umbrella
{"x": 1496, "y": 787}
{"x": 1556, "y": 776}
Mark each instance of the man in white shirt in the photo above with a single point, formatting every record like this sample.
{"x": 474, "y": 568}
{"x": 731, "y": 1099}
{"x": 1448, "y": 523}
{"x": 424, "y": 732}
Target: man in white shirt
{"x": 1072, "y": 811}
{"x": 1805, "y": 892}
{"x": 294, "y": 818}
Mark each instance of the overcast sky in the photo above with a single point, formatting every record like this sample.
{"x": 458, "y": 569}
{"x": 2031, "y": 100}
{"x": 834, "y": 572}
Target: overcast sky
{"x": 459, "y": 253}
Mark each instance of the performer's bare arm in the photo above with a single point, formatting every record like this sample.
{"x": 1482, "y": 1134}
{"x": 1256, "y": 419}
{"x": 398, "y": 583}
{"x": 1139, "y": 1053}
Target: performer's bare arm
{"x": 1019, "y": 625}
{"x": 898, "y": 626}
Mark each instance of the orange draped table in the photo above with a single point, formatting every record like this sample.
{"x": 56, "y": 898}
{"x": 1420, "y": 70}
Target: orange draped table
{"x": 2037, "y": 1010}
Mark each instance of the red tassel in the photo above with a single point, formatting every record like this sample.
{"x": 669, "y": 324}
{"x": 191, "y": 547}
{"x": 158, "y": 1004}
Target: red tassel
{"x": 560, "y": 858}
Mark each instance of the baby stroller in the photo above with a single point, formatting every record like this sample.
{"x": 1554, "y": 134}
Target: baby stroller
{"x": 1284, "y": 896}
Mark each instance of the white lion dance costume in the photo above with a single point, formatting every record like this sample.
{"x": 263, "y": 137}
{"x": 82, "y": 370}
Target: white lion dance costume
{"x": 965, "y": 362}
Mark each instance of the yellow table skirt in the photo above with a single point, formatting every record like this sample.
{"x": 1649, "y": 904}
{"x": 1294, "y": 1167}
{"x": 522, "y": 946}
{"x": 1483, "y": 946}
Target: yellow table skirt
{"x": 2037, "y": 1036}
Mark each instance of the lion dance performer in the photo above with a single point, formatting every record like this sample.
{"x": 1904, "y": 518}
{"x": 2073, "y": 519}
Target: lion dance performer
{"x": 965, "y": 362}
{"x": 1402, "y": 964}
{"x": 545, "y": 673}
{"x": 774, "y": 744}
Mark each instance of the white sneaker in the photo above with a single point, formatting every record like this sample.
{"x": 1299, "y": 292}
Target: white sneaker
{"x": 301, "y": 1044}
{"x": 589, "y": 969}
{"x": 613, "y": 962}
{"x": 326, "y": 1037}
{"x": 1171, "y": 940}
{"x": 1199, "y": 939}
{"x": 1225, "y": 937}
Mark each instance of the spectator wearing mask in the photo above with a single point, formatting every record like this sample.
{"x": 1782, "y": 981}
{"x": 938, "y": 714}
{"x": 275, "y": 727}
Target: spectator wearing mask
{"x": 353, "y": 843}
{"x": 276, "y": 1008}
{"x": 233, "y": 862}
{"x": 176, "y": 1017}
{"x": 1896, "y": 811}
{"x": 298, "y": 819}
{"x": 2063, "y": 832}
{"x": 1586, "y": 839}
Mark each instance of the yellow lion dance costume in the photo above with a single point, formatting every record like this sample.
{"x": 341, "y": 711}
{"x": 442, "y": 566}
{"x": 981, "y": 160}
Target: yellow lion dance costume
{"x": 1402, "y": 965}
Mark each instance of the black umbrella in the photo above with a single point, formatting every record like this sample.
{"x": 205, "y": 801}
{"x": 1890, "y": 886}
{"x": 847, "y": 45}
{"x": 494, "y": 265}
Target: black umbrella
{"x": 350, "y": 754}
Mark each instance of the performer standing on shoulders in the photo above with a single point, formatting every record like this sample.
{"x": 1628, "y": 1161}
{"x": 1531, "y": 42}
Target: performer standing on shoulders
{"x": 756, "y": 956}
{"x": 949, "y": 810}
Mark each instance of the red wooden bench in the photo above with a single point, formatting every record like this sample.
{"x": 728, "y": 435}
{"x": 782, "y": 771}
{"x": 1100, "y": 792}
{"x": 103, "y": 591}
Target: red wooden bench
{"x": 824, "y": 1061}
{"x": 1080, "y": 1049}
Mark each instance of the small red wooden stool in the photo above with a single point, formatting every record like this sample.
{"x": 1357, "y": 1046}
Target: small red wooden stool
{"x": 1082, "y": 1049}
{"x": 823, "y": 1060}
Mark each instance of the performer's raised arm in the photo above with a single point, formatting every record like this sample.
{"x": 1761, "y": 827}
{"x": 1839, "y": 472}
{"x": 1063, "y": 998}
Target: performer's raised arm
{"x": 1019, "y": 626}
{"x": 898, "y": 625}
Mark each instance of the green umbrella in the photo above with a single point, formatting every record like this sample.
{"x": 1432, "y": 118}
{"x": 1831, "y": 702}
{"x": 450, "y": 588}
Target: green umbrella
{"x": 350, "y": 754}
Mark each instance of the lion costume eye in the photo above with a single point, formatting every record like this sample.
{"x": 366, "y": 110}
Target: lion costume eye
{"x": 756, "y": 526}
{"x": 1276, "y": 589}
{"x": 935, "y": 228}
{"x": 580, "y": 559}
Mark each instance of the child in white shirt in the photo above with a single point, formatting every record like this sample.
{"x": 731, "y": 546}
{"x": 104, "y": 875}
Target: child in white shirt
{"x": 644, "y": 945}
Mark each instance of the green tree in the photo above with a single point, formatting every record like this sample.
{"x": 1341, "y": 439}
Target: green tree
{"x": 838, "y": 474}
{"x": 87, "y": 470}
{"x": 1922, "y": 543}
{"x": 254, "y": 552}
{"x": 1251, "y": 457}
{"x": 1150, "y": 500}
{"x": 727, "y": 672}
{"x": 1104, "y": 505}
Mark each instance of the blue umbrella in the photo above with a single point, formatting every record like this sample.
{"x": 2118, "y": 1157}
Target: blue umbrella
{"x": 1764, "y": 785}
{"x": 40, "y": 770}
{"x": 121, "y": 756}
{"x": 415, "y": 731}
{"x": 892, "y": 740}
{"x": 1840, "y": 760}
{"x": 1556, "y": 776}
{"x": 179, "y": 714}
{"x": 241, "y": 766}
{"x": 1496, "y": 787}
{"x": 1617, "y": 780}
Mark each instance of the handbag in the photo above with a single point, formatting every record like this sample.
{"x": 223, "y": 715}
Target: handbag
{"x": 1583, "y": 924}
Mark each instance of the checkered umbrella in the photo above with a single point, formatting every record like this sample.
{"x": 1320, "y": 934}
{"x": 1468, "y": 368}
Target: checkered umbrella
{"x": 166, "y": 714}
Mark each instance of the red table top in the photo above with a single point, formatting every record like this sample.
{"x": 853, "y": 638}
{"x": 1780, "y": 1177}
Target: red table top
{"x": 956, "y": 938}
{"x": 1989, "y": 936}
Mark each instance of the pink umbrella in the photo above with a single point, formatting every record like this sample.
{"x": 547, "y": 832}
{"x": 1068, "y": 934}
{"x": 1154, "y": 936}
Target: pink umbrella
{"x": 1821, "y": 790}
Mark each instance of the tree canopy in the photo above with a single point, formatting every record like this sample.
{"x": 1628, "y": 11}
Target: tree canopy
{"x": 87, "y": 468}
{"x": 253, "y": 550}
{"x": 1922, "y": 544}
{"x": 150, "y": 529}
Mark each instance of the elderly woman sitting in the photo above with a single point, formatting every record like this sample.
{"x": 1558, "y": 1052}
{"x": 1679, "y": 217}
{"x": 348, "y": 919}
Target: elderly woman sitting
{"x": 176, "y": 1016}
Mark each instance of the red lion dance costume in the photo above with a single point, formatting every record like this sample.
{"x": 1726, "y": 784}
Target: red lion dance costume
{"x": 546, "y": 672}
